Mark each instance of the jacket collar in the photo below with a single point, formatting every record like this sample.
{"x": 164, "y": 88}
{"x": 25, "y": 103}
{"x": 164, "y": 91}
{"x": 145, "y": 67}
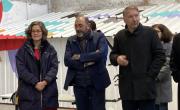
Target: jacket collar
{"x": 136, "y": 31}
{"x": 30, "y": 46}
{"x": 88, "y": 35}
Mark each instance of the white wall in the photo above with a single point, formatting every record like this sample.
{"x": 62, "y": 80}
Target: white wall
{"x": 23, "y": 11}
{"x": 59, "y": 5}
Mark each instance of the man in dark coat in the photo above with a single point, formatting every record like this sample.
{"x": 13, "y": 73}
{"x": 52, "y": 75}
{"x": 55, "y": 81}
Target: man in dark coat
{"x": 140, "y": 56}
{"x": 37, "y": 67}
{"x": 175, "y": 63}
{"x": 85, "y": 57}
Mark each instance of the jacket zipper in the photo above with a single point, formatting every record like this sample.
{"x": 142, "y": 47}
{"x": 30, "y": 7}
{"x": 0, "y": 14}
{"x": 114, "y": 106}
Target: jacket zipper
{"x": 41, "y": 96}
{"x": 41, "y": 80}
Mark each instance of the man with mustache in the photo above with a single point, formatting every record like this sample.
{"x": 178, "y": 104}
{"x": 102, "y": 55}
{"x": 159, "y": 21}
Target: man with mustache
{"x": 85, "y": 57}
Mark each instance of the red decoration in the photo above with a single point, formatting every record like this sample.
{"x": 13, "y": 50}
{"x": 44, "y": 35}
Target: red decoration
{"x": 8, "y": 42}
{"x": 1, "y": 10}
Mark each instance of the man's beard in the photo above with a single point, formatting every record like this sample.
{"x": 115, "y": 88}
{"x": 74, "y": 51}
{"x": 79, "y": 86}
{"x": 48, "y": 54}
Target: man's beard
{"x": 79, "y": 33}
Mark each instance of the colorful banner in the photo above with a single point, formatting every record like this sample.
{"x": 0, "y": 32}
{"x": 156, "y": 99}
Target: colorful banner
{"x": 7, "y": 5}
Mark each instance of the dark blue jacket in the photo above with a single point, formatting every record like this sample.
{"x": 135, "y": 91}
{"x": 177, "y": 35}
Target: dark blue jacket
{"x": 98, "y": 72}
{"x": 29, "y": 73}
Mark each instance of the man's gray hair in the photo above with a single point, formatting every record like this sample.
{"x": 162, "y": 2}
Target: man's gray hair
{"x": 132, "y": 7}
{"x": 86, "y": 18}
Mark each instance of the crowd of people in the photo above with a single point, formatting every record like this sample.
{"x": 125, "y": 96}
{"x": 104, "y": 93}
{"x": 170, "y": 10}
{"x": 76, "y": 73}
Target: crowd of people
{"x": 146, "y": 56}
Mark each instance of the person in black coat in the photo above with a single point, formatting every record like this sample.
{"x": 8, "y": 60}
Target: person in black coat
{"x": 37, "y": 67}
{"x": 139, "y": 54}
{"x": 175, "y": 63}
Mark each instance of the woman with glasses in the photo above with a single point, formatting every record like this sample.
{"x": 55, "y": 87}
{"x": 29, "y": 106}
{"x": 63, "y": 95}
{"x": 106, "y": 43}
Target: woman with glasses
{"x": 37, "y": 67}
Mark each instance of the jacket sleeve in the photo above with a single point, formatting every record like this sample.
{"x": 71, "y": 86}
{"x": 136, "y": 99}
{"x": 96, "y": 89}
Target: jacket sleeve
{"x": 23, "y": 73}
{"x": 74, "y": 64}
{"x": 51, "y": 74}
{"x": 173, "y": 62}
{"x": 158, "y": 56}
{"x": 95, "y": 56}
{"x": 115, "y": 52}
{"x": 165, "y": 71}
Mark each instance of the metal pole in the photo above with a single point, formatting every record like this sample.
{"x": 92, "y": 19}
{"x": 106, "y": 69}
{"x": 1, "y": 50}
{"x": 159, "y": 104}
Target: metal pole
{"x": 49, "y": 5}
{"x": 27, "y": 16}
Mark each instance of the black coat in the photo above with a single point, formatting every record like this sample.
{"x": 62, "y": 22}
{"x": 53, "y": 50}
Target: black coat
{"x": 29, "y": 74}
{"x": 146, "y": 56}
{"x": 175, "y": 58}
{"x": 175, "y": 63}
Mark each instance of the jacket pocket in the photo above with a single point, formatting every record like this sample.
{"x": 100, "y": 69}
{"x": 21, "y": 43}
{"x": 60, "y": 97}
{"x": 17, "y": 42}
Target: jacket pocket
{"x": 26, "y": 93}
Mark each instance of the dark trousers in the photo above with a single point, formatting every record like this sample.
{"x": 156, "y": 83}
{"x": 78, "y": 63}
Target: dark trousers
{"x": 161, "y": 106}
{"x": 178, "y": 96}
{"x": 88, "y": 98}
{"x": 138, "y": 105}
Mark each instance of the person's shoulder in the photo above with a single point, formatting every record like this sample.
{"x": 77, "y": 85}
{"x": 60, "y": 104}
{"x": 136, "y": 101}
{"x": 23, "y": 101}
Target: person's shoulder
{"x": 22, "y": 48}
{"x": 177, "y": 36}
{"x": 48, "y": 46}
{"x": 51, "y": 46}
{"x": 96, "y": 34}
{"x": 149, "y": 31}
{"x": 25, "y": 45}
{"x": 148, "y": 28}
{"x": 51, "y": 49}
{"x": 176, "y": 39}
{"x": 71, "y": 38}
{"x": 100, "y": 33}
{"x": 120, "y": 33}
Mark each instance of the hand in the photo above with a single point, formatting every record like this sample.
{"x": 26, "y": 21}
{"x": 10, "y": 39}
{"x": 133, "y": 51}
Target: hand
{"x": 122, "y": 60}
{"x": 76, "y": 57}
{"x": 41, "y": 85}
{"x": 44, "y": 82}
